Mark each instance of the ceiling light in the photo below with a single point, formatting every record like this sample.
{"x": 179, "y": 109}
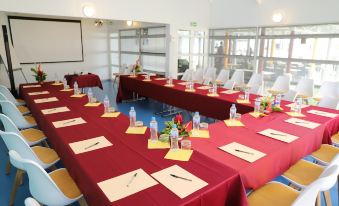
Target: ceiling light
{"x": 278, "y": 16}
{"x": 88, "y": 10}
{"x": 129, "y": 23}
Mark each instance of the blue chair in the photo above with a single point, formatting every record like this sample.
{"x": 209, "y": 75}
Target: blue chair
{"x": 10, "y": 96}
{"x": 24, "y": 110}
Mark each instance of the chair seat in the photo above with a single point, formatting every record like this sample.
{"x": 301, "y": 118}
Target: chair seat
{"x": 335, "y": 139}
{"x": 46, "y": 155}
{"x": 303, "y": 173}
{"x": 65, "y": 183}
{"x": 24, "y": 110}
{"x": 326, "y": 153}
{"x": 30, "y": 120}
{"x": 273, "y": 193}
{"x": 20, "y": 101}
{"x": 33, "y": 135}
{"x": 275, "y": 92}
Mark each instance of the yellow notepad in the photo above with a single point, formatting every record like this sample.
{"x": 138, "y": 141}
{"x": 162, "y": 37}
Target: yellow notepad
{"x": 295, "y": 114}
{"x": 92, "y": 104}
{"x": 179, "y": 154}
{"x": 243, "y": 101}
{"x": 160, "y": 78}
{"x": 66, "y": 90}
{"x": 212, "y": 95}
{"x": 200, "y": 134}
{"x": 234, "y": 123}
{"x": 147, "y": 80}
{"x": 131, "y": 76}
{"x": 78, "y": 95}
{"x": 136, "y": 130}
{"x": 189, "y": 90}
{"x": 111, "y": 114}
{"x": 257, "y": 114}
{"x": 204, "y": 87}
{"x": 157, "y": 144}
{"x": 57, "y": 84}
{"x": 229, "y": 92}
{"x": 169, "y": 85}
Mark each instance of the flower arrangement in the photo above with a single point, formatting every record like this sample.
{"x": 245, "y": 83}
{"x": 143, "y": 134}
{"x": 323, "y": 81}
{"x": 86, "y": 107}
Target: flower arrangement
{"x": 40, "y": 76}
{"x": 178, "y": 120}
{"x": 136, "y": 66}
{"x": 267, "y": 105}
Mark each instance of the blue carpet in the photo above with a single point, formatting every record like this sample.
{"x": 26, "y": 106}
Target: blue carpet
{"x": 145, "y": 110}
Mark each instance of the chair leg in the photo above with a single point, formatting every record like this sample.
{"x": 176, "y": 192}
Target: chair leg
{"x": 21, "y": 178}
{"x": 82, "y": 202}
{"x": 15, "y": 187}
{"x": 45, "y": 144}
{"x": 8, "y": 167}
{"x": 318, "y": 201}
{"x": 327, "y": 196}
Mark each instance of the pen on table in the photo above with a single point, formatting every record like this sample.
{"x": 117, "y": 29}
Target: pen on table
{"x": 50, "y": 110}
{"x": 277, "y": 134}
{"x": 183, "y": 178}
{"x": 301, "y": 122}
{"x": 92, "y": 145}
{"x": 69, "y": 121}
{"x": 237, "y": 150}
{"x": 131, "y": 180}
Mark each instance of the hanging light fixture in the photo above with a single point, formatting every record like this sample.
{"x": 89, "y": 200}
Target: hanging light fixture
{"x": 278, "y": 16}
{"x": 129, "y": 23}
{"x": 88, "y": 10}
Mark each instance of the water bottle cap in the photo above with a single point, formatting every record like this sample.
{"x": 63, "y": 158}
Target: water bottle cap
{"x": 132, "y": 108}
{"x": 153, "y": 118}
{"x": 106, "y": 97}
{"x": 174, "y": 126}
{"x": 233, "y": 105}
{"x": 196, "y": 113}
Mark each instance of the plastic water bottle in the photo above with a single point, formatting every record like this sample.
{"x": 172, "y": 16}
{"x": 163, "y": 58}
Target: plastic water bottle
{"x": 196, "y": 121}
{"x": 76, "y": 88}
{"x": 132, "y": 117}
{"x": 154, "y": 129}
{"x": 106, "y": 104}
{"x": 64, "y": 82}
{"x": 215, "y": 88}
{"x": 247, "y": 94}
{"x": 257, "y": 105}
{"x": 278, "y": 100}
{"x": 233, "y": 112}
{"x": 174, "y": 136}
{"x": 90, "y": 95}
{"x": 298, "y": 105}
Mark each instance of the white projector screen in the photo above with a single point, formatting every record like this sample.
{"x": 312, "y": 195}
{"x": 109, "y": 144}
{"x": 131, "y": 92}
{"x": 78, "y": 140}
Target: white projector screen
{"x": 46, "y": 40}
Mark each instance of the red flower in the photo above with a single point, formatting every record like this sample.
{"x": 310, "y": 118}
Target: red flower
{"x": 178, "y": 119}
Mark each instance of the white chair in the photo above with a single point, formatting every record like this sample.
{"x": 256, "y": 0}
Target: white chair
{"x": 187, "y": 76}
{"x": 305, "y": 88}
{"x": 210, "y": 74}
{"x": 31, "y": 202}
{"x": 22, "y": 122}
{"x": 24, "y": 110}
{"x": 229, "y": 84}
{"x": 328, "y": 102}
{"x": 255, "y": 89}
{"x": 207, "y": 81}
{"x": 290, "y": 95}
{"x": 198, "y": 76}
{"x": 223, "y": 76}
{"x": 281, "y": 84}
{"x": 329, "y": 89}
{"x": 256, "y": 79}
{"x": 238, "y": 77}
{"x": 10, "y": 96}
{"x": 54, "y": 188}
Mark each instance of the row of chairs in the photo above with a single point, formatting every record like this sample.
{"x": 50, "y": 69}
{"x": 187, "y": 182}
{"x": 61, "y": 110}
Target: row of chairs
{"x": 24, "y": 142}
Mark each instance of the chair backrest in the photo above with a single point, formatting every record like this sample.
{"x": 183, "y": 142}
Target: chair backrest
{"x": 207, "y": 81}
{"x": 3, "y": 97}
{"x": 4, "y": 91}
{"x": 18, "y": 144}
{"x": 328, "y": 102}
{"x": 282, "y": 83}
{"x": 9, "y": 125}
{"x": 326, "y": 181}
{"x": 305, "y": 87}
{"x": 256, "y": 79}
{"x": 16, "y": 159}
{"x": 329, "y": 89}
{"x": 210, "y": 74}
{"x": 255, "y": 89}
{"x": 229, "y": 84}
{"x": 238, "y": 77}
{"x": 290, "y": 95}
{"x": 198, "y": 76}
{"x": 11, "y": 111}
{"x": 41, "y": 185}
{"x": 31, "y": 202}
{"x": 187, "y": 76}
{"x": 223, "y": 76}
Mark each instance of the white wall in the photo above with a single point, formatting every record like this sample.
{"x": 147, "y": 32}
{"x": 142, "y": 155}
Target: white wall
{"x": 247, "y": 13}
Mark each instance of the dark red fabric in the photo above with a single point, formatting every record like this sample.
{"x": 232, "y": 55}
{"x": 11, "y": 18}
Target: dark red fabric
{"x": 129, "y": 152}
{"x": 69, "y": 77}
{"x": 215, "y": 107}
{"x": 86, "y": 80}
{"x": 280, "y": 156}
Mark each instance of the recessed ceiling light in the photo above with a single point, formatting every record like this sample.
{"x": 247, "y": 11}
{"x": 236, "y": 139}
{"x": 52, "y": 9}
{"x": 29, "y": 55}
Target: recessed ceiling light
{"x": 129, "y": 23}
{"x": 88, "y": 10}
{"x": 278, "y": 16}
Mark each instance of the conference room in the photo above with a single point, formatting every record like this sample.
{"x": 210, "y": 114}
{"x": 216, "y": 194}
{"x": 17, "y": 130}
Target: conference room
{"x": 195, "y": 102}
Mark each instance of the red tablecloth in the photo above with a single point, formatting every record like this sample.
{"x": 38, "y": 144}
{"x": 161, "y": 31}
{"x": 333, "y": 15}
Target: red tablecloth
{"x": 86, "y": 80}
{"x": 215, "y": 107}
{"x": 129, "y": 152}
{"x": 280, "y": 156}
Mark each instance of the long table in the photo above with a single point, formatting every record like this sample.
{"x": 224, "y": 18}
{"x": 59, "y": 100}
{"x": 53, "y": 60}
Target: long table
{"x": 215, "y": 107}
{"x": 128, "y": 153}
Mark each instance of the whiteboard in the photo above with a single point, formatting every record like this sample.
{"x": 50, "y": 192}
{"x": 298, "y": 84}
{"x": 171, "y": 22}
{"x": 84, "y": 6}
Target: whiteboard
{"x": 46, "y": 40}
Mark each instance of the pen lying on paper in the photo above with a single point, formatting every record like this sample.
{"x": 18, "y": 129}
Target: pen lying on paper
{"x": 176, "y": 176}
{"x": 301, "y": 122}
{"x": 69, "y": 121}
{"x": 277, "y": 134}
{"x": 237, "y": 150}
{"x": 92, "y": 145}
{"x": 51, "y": 110}
{"x": 131, "y": 180}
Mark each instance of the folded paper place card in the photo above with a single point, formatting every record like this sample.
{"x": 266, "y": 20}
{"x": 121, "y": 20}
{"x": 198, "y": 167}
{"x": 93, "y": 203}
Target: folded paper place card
{"x": 44, "y": 100}
{"x": 257, "y": 114}
{"x": 295, "y": 114}
{"x": 156, "y": 144}
{"x": 281, "y": 136}
{"x": 66, "y": 90}
{"x": 127, "y": 184}
{"x": 234, "y": 123}
{"x": 69, "y": 122}
{"x": 243, "y": 152}
{"x": 179, "y": 154}
{"x": 183, "y": 83}
{"x": 111, "y": 114}
{"x": 243, "y": 101}
{"x": 212, "y": 95}
{"x": 200, "y": 133}
{"x": 78, "y": 95}
{"x": 55, "y": 110}
{"x": 136, "y": 130}
{"x": 160, "y": 78}
{"x": 293, "y": 105}
{"x": 179, "y": 181}
{"x": 90, "y": 145}
{"x": 38, "y": 93}
{"x": 57, "y": 83}
{"x": 146, "y": 80}
{"x": 204, "y": 87}
{"x": 132, "y": 76}
{"x": 229, "y": 92}
{"x": 32, "y": 86}
{"x": 302, "y": 123}
{"x": 95, "y": 104}
{"x": 321, "y": 113}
